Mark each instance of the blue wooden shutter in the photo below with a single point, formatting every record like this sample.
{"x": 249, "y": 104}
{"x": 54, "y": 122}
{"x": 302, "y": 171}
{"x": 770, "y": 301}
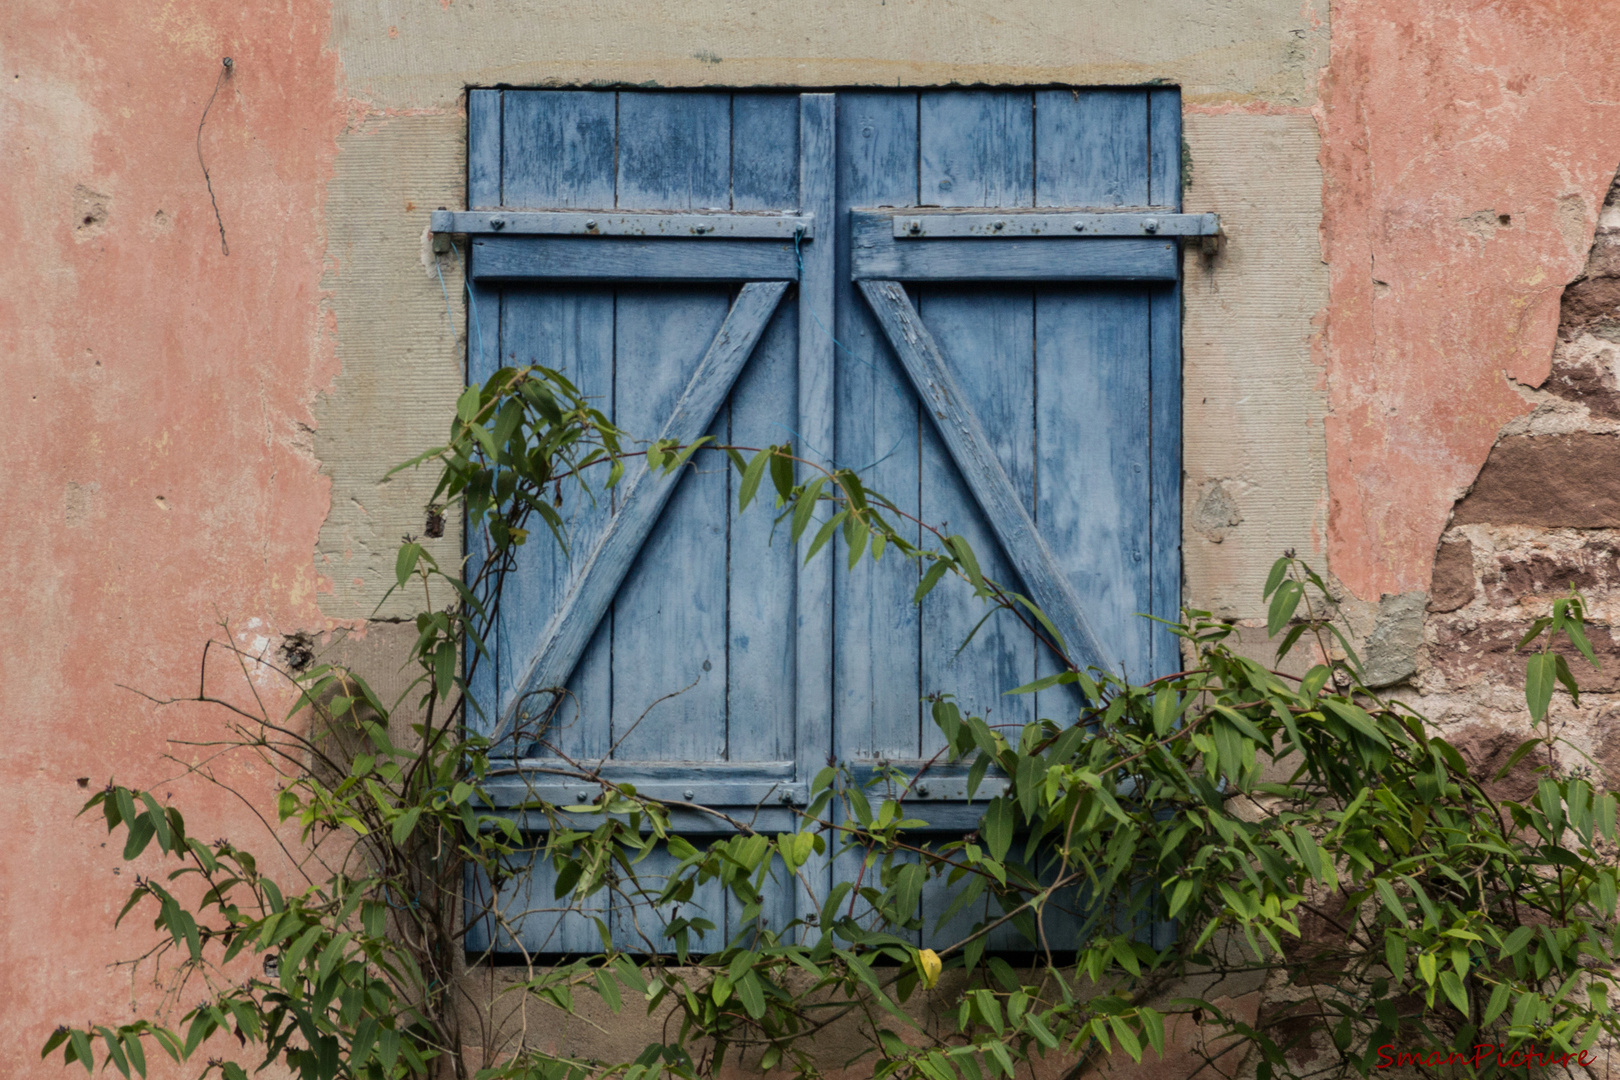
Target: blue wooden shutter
{"x": 982, "y": 360}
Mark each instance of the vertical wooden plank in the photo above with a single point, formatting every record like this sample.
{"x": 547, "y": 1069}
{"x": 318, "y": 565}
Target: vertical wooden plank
{"x": 669, "y": 619}
{"x": 763, "y": 410}
{"x": 976, "y": 148}
{"x": 988, "y": 338}
{"x": 761, "y": 695}
{"x": 876, "y": 693}
{"x": 1164, "y": 148}
{"x": 674, "y": 151}
{"x": 572, "y": 331}
{"x": 558, "y": 146}
{"x": 1091, "y": 148}
{"x": 816, "y": 439}
{"x": 552, "y": 149}
{"x": 765, "y": 151}
{"x": 1164, "y": 133}
{"x": 669, "y": 626}
{"x": 1091, "y": 374}
{"x": 483, "y": 149}
{"x": 1166, "y": 475}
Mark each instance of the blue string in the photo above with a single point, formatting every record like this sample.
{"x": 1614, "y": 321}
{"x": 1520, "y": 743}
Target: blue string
{"x": 798, "y": 235}
{"x": 472, "y": 304}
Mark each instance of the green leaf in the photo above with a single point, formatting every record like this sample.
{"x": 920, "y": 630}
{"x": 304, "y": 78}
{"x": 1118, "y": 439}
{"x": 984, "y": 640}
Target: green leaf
{"x": 1279, "y": 569}
{"x": 998, "y": 827}
{"x": 1283, "y": 605}
{"x": 1498, "y": 1002}
{"x": 1566, "y": 677}
{"x": 1453, "y": 987}
{"x": 467, "y": 405}
{"x": 751, "y": 994}
{"x": 963, "y": 551}
{"x": 930, "y": 578}
{"x": 782, "y": 471}
{"x": 1357, "y": 718}
{"x": 1515, "y": 757}
{"x": 405, "y": 824}
{"x": 806, "y": 506}
{"x": 1044, "y": 683}
{"x": 79, "y": 1047}
{"x": 750, "y": 480}
{"x": 1539, "y": 675}
{"x": 824, "y": 534}
{"x": 1392, "y": 902}
{"x": 1046, "y": 624}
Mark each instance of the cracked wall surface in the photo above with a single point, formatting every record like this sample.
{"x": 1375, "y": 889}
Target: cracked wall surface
{"x": 1543, "y": 515}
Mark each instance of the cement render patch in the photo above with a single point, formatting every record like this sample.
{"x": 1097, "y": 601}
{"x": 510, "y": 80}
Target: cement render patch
{"x": 422, "y": 54}
{"x": 399, "y": 336}
{"x": 1253, "y": 399}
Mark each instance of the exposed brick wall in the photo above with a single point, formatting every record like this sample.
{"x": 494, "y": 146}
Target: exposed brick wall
{"x": 1543, "y": 514}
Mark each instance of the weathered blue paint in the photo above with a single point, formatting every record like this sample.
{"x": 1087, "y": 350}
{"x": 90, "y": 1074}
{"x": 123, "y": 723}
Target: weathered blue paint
{"x": 948, "y": 405}
{"x": 880, "y": 256}
{"x": 640, "y": 502}
{"x": 578, "y": 258}
{"x": 1052, "y": 384}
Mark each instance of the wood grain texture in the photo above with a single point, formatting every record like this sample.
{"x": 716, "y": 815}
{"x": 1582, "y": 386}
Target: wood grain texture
{"x": 876, "y": 701}
{"x": 1092, "y": 369}
{"x": 642, "y": 498}
{"x": 976, "y": 150}
{"x": 959, "y": 428}
{"x": 557, "y": 146}
{"x": 1165, "y": 482}
{"x": 1091, "y": 149}
{"x": 578, "y": 258}
{"x": 484, "y": 148}
{"x": 879, "y": 256}
{"x": 815, "y": 434}
{"x": 1053, "y": 381}
{"x": 705, "y": 224}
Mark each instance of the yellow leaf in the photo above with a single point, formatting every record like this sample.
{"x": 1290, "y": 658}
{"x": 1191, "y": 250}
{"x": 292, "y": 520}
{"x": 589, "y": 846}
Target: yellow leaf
{"x": 928, "y": 964}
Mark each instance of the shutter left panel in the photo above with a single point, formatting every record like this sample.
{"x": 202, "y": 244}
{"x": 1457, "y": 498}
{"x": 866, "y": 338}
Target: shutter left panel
{"x": 688, "y": 679}
{"x": 544, "y": 149}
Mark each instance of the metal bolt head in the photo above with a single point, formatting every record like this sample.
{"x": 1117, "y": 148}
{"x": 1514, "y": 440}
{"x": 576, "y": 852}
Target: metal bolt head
{"x": 584, "y": 796}
{"x": 921, "y": 790}
{"x": 1150, "y": 225}
{"x": 785, "y": 798}
{"x": 497, "y": 223}
{"x": 999, "y": 225}
{"x": 914, "y": 228}
{"x": 590, "y": 223}
{"x": 1079, "y": 226}
{"x": 688, "y": 794}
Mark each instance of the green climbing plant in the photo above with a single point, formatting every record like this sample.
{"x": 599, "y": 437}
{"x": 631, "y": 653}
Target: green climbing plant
{"x": 1300, "y": 830}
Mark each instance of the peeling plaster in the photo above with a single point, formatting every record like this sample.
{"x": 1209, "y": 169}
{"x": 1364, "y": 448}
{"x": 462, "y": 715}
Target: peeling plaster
{"x": 1431, "y": 112}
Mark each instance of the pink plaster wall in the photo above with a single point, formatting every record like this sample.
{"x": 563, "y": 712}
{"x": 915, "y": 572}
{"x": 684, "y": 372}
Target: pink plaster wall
{"x": 154, "y": 409}
{"x": 156, "y": 395}
{"x": 1438, "y": 116}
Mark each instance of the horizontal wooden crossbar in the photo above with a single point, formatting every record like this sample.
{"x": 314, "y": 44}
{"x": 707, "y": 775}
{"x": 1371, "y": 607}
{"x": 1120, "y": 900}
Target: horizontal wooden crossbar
{"x": 576, "y": 258}
{"x": 881, "y": 256}
{"x": 1050, "y": 224}
{"x": 643, "y": 223}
